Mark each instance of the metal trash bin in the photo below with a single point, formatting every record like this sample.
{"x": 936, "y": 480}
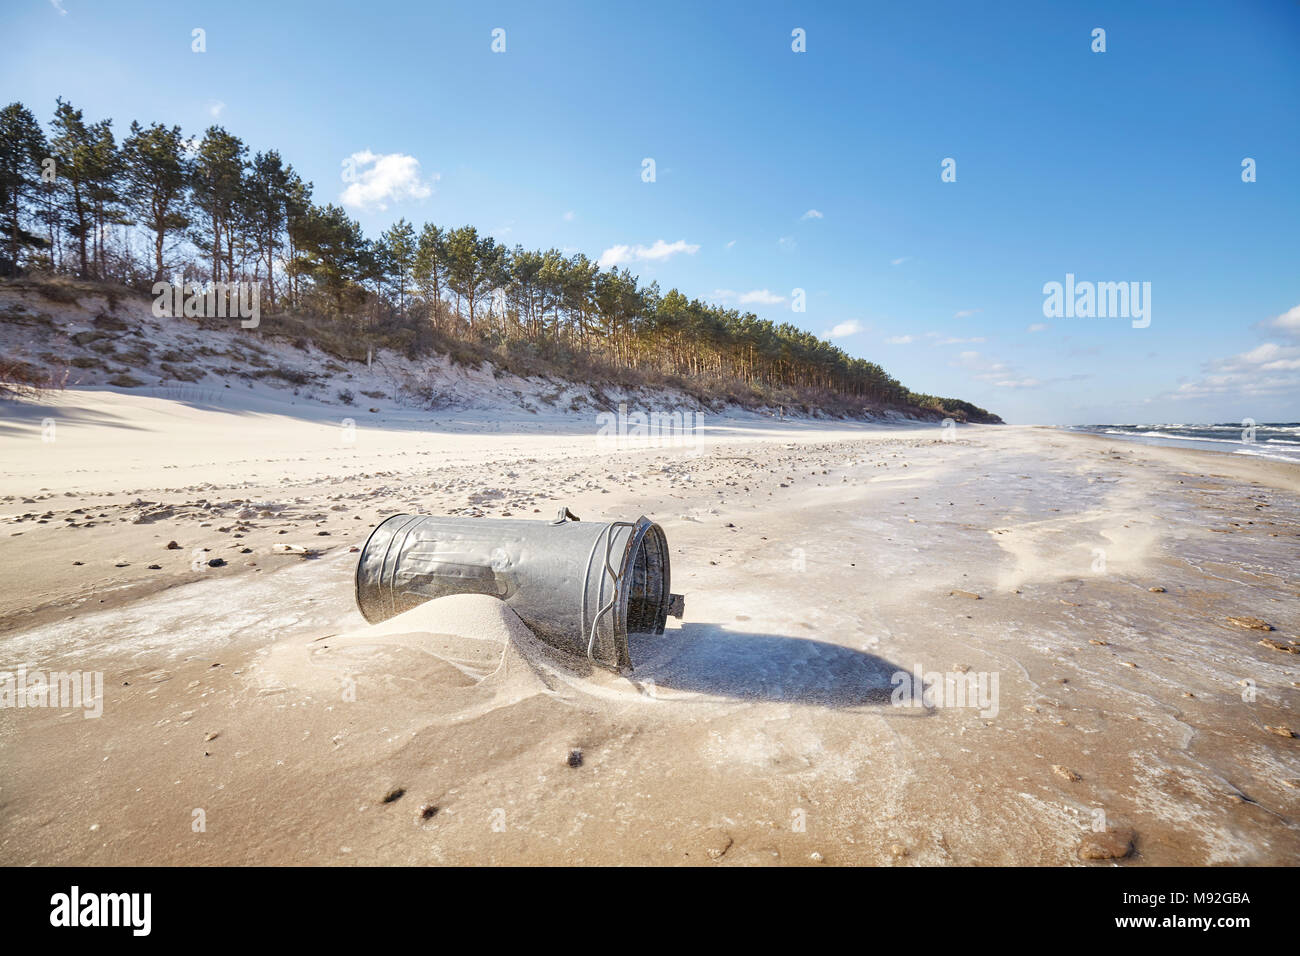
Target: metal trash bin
{"x": 582, "y": 587}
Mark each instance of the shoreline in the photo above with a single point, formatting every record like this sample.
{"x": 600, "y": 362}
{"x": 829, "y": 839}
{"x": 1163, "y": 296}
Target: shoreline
{"x": 1259, "y": 448}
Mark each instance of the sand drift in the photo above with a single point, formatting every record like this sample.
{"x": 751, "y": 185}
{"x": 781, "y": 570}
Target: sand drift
{"x": 581, "y": 587}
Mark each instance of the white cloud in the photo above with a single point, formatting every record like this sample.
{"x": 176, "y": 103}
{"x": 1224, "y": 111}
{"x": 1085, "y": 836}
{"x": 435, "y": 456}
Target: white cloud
{"x": 1017, "y": 383}
{"x": 954, "y": 341}
{"x": 615, "y": 256}
{"x": 623, "y": 254}
{"x": 58, "y": 5}
{"x": 568, "y": 216}
{"x": 973, "y": 361}
{"x": 754, "y": 296}
{"x": 216, "y": 108}
{"x": 1269, "y": 357}
{"x": 1288, "y": 323}
{"x": 1037, "y": 327}
{"x": 997, "y": 373}
{"x": 379, "y": 179}
{"x": 899, "y": 340}
{"x": 730, "y": 244}
{"x": 966, "y": 313}
{"x": 1268, "y": 369}
{"x": 812, "y": 214}
{"x": 899, "y": 261}
{"x": 787, "y": 243}
{"x": 662, "y": 250}
{"x": 842, "y": 329}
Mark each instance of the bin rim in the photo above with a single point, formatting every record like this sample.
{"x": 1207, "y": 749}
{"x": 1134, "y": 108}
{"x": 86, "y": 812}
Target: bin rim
{"x": 356, "y": 573}
{"x": 641, "y": 529}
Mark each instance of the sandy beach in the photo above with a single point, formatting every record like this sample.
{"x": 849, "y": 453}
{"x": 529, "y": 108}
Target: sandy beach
{"x": 1111, "y": 602}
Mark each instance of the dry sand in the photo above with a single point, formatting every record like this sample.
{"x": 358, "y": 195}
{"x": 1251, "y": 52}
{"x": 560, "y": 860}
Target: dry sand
{"x": 250, "y": 716}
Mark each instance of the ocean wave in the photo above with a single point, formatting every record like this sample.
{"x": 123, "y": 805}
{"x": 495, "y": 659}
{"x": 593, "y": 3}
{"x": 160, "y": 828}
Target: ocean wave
{"x": 1166, "y": 435}
{"x": 1256, "y": 453}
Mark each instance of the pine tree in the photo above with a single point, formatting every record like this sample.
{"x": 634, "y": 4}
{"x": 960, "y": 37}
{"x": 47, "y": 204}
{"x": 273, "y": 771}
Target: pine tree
{"x": 399, "y": 258}
{"x": 103, "y": 179}
{"x": 22, "y": 150}
{"x": 217, "y": 178}
{"x": 157, "y": 174}
{"x": 429, "y": 268}
{"x": 267, "y": 198}
{"x": 71, "y": 147}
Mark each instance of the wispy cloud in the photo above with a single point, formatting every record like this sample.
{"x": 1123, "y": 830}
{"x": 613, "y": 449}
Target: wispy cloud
{"x": 659, "y": 249}
{"x": 843, "y": 329}
{"x": 753, "y": 297}
{"x": 216, "y": 108}
{"x": 899, "y": 340}
{"x": 58, "y": 5}
{"x": 1017, "y": 383}
{"x": 569, "y": 216}
{"x": 899, "y": 261}
{"x": 978, "y": 340}
{"x": 997, "y": 373}
{"x": 813, "y": 214}
{"x": 787, "y": 244}
{"x": 1269, "y": 369}
{"x": 966, "y": 313}
{"x": 1266, "y": 370}
{"x": 1038, "y": 327}
{"x": 383, "y": 178}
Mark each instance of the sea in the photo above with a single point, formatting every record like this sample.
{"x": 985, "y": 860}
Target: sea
{"x": 1277, "y": 440}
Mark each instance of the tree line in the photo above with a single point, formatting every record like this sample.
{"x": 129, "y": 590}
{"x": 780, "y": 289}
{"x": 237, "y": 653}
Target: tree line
{"x": 76, "y": 201}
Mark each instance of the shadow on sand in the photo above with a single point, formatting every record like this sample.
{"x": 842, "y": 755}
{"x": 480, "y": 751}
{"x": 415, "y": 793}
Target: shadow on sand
{"x": 19, "y": 416}
{"x": 709, "y": 659}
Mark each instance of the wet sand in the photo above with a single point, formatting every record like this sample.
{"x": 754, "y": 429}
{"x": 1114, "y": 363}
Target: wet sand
{"x": 250, "y": 717}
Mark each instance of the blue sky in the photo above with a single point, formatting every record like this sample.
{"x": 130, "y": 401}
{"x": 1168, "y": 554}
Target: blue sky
{"x": 1115, "y": 166}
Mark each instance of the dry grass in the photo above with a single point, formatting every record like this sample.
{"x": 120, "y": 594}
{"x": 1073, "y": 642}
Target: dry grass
{"x": 25, "y": 380}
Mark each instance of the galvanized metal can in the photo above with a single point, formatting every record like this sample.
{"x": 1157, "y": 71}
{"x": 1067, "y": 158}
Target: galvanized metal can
{"x": 582, "y": 587}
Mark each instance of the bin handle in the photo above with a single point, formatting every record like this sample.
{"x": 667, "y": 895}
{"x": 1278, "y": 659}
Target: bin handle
{"x": 565, "y": 515}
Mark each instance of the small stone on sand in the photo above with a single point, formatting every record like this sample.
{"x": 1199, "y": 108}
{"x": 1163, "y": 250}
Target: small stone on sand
{"x": 1279, "y": 646}
{"x": 1251, "y": 623}
{"x": 1110, "y": 845}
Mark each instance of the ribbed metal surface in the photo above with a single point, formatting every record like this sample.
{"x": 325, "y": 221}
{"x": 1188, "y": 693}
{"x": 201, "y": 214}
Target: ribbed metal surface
{"x": 555, "y": 575}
